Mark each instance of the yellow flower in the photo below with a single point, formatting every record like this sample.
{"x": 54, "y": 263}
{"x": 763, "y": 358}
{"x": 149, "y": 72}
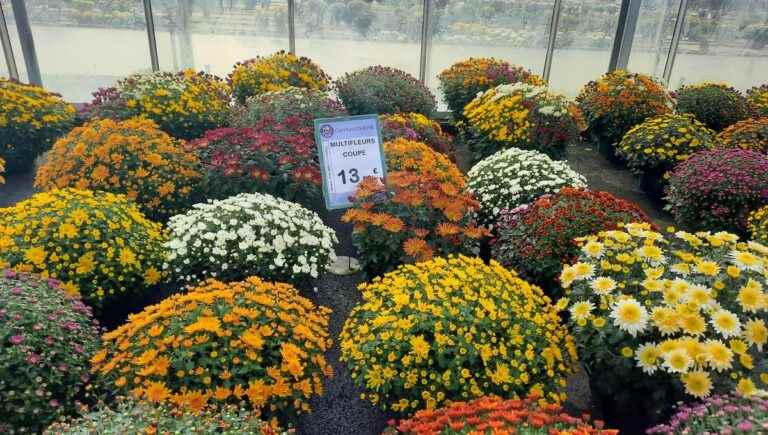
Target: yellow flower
{"x": 746, "y": 387}
{"x": 647, "y": 357}
{"x": 35, "y": 255}
{"x": 582, "y": 310}
{"x": 726, "y": 323}
{"x": 697, "y": 383}
{"x": 708, "y": 268}
{"x": 603, "y": 285}
{"x": 718, "y": 355}
{"x": 756, "y": 333}
{"x": 751, "y": 297}
{"x": 677, "y": 361}
{"x": 419, "y": 346}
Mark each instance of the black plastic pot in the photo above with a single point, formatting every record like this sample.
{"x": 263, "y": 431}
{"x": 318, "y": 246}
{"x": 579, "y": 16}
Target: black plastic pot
{"x": 653, "y": 184}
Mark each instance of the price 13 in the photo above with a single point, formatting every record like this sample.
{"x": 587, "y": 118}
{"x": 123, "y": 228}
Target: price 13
{"x": 349, "y": 175}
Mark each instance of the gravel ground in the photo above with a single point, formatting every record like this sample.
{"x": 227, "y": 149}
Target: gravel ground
{"x": 340, "y": 410}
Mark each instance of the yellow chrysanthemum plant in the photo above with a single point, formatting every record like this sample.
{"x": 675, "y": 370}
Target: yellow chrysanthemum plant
{"x": 655, "y": 146}
{"x": 255, "y": 342}
{"x": 758, "y": 99}
{"x": 757, "y": 223}
{"x": 521, "y": 115}
{"x": 132, "y": 157}
{"x": 184, "y": 104}
{"x": 463, "y": 80}
{"x": 667, "y": 315}
{"x": 276, "y": 72}
{"x": 30, "y": 120}
{"x": 454, "y": 329}
{"x": 98, "y": 244}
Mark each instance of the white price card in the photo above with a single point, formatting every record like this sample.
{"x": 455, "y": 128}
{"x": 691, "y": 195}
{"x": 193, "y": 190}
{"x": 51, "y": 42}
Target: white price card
{"x": 350, "y": 149}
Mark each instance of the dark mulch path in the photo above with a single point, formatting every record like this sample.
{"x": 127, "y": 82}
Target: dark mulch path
{"x": 16, "y": 188}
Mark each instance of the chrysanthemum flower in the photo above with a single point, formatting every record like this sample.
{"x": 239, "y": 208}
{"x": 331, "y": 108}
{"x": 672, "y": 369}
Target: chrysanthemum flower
{"x": 647, "y": 357}
{"x": 678, "y": 361}
{"x": 582, "y": 310}
{"x": 719, "y": 356}
{"x": 697, "y": 383}
{"x": 726, "y": 323}
{"x": 630, "y": 316}
{"x": 603, "y": 285}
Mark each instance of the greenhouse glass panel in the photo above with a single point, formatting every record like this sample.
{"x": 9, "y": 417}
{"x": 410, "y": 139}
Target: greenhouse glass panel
{"x": 653, "y": 36}
{"x": 84, "y": 45}
{"x": 10, "y": 20}
{"x": 344, "y": 36}
{"x": 515, "y": 31}
{"x": 584, "y": 41}
{"x": 723, "y": 41}
{"x": 212, "y": 35}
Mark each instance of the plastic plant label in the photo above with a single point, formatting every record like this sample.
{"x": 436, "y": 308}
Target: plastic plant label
{"x": 350, "y": 149}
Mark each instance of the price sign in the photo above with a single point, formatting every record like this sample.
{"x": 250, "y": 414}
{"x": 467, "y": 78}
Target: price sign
{"x": 350, "y": 149}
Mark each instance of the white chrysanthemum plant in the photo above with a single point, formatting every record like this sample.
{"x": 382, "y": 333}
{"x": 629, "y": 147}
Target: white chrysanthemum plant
{"x": 687, "y": 308}
{"x": 514, "y": 177}
{"x": 249, "y": 234}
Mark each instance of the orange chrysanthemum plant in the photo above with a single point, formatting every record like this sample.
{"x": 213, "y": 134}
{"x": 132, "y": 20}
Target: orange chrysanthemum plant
{"x": 132, "y": 157}
{"x": 253, "y": 341}
{"x": 493, "y": 415}
{"x": 618, "y": 101}
{"x": 422, "y": 209}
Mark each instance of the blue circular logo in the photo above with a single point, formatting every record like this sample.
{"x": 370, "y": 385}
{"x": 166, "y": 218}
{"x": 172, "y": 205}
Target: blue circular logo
{"x": 326, "y": 131}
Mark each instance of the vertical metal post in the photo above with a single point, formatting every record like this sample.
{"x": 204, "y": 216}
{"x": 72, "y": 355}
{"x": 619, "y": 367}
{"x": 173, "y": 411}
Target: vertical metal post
{"x": 619, "y": 36}
{"x": 5, "y": 39}
{"x": 150, "y": 20}
{"x": 27, "y": 42}
{"x": 679, "y": 23}
{"x": 292, "y": 26}
{"x": 628, "y": 36}
{"x": 554, "y": 22}
{"x": 424, "y": 53}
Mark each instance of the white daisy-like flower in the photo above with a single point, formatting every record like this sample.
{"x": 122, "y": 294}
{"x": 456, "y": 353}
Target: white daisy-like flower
{"x": 603, "y": 285}
{"x": 582, "y": 310}
{"x": 746, "y": 260}
{"x": 629, "y": 316}
{"x": 593, "y": 249}
{"x": 583, "y": 270}
{"x": 726, "y": 323}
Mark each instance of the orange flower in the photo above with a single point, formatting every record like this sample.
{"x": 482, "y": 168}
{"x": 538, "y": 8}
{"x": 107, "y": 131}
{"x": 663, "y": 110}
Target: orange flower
{"x": 414, "y": 247}
{"x": 448, "y": 229}
{"x": 156, "y": 392}
{"x": 258, "y": 393}
{"x": 222, "y": 393}
{"x": 195, "y": 401}
{"x": 393, "y": 224}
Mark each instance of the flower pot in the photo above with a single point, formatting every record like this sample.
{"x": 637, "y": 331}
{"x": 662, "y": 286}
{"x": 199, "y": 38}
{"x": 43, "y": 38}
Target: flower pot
{"x": 606, "y": 149}
{"x": 653, "y": 184}
{"x": 635, "y": 406}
